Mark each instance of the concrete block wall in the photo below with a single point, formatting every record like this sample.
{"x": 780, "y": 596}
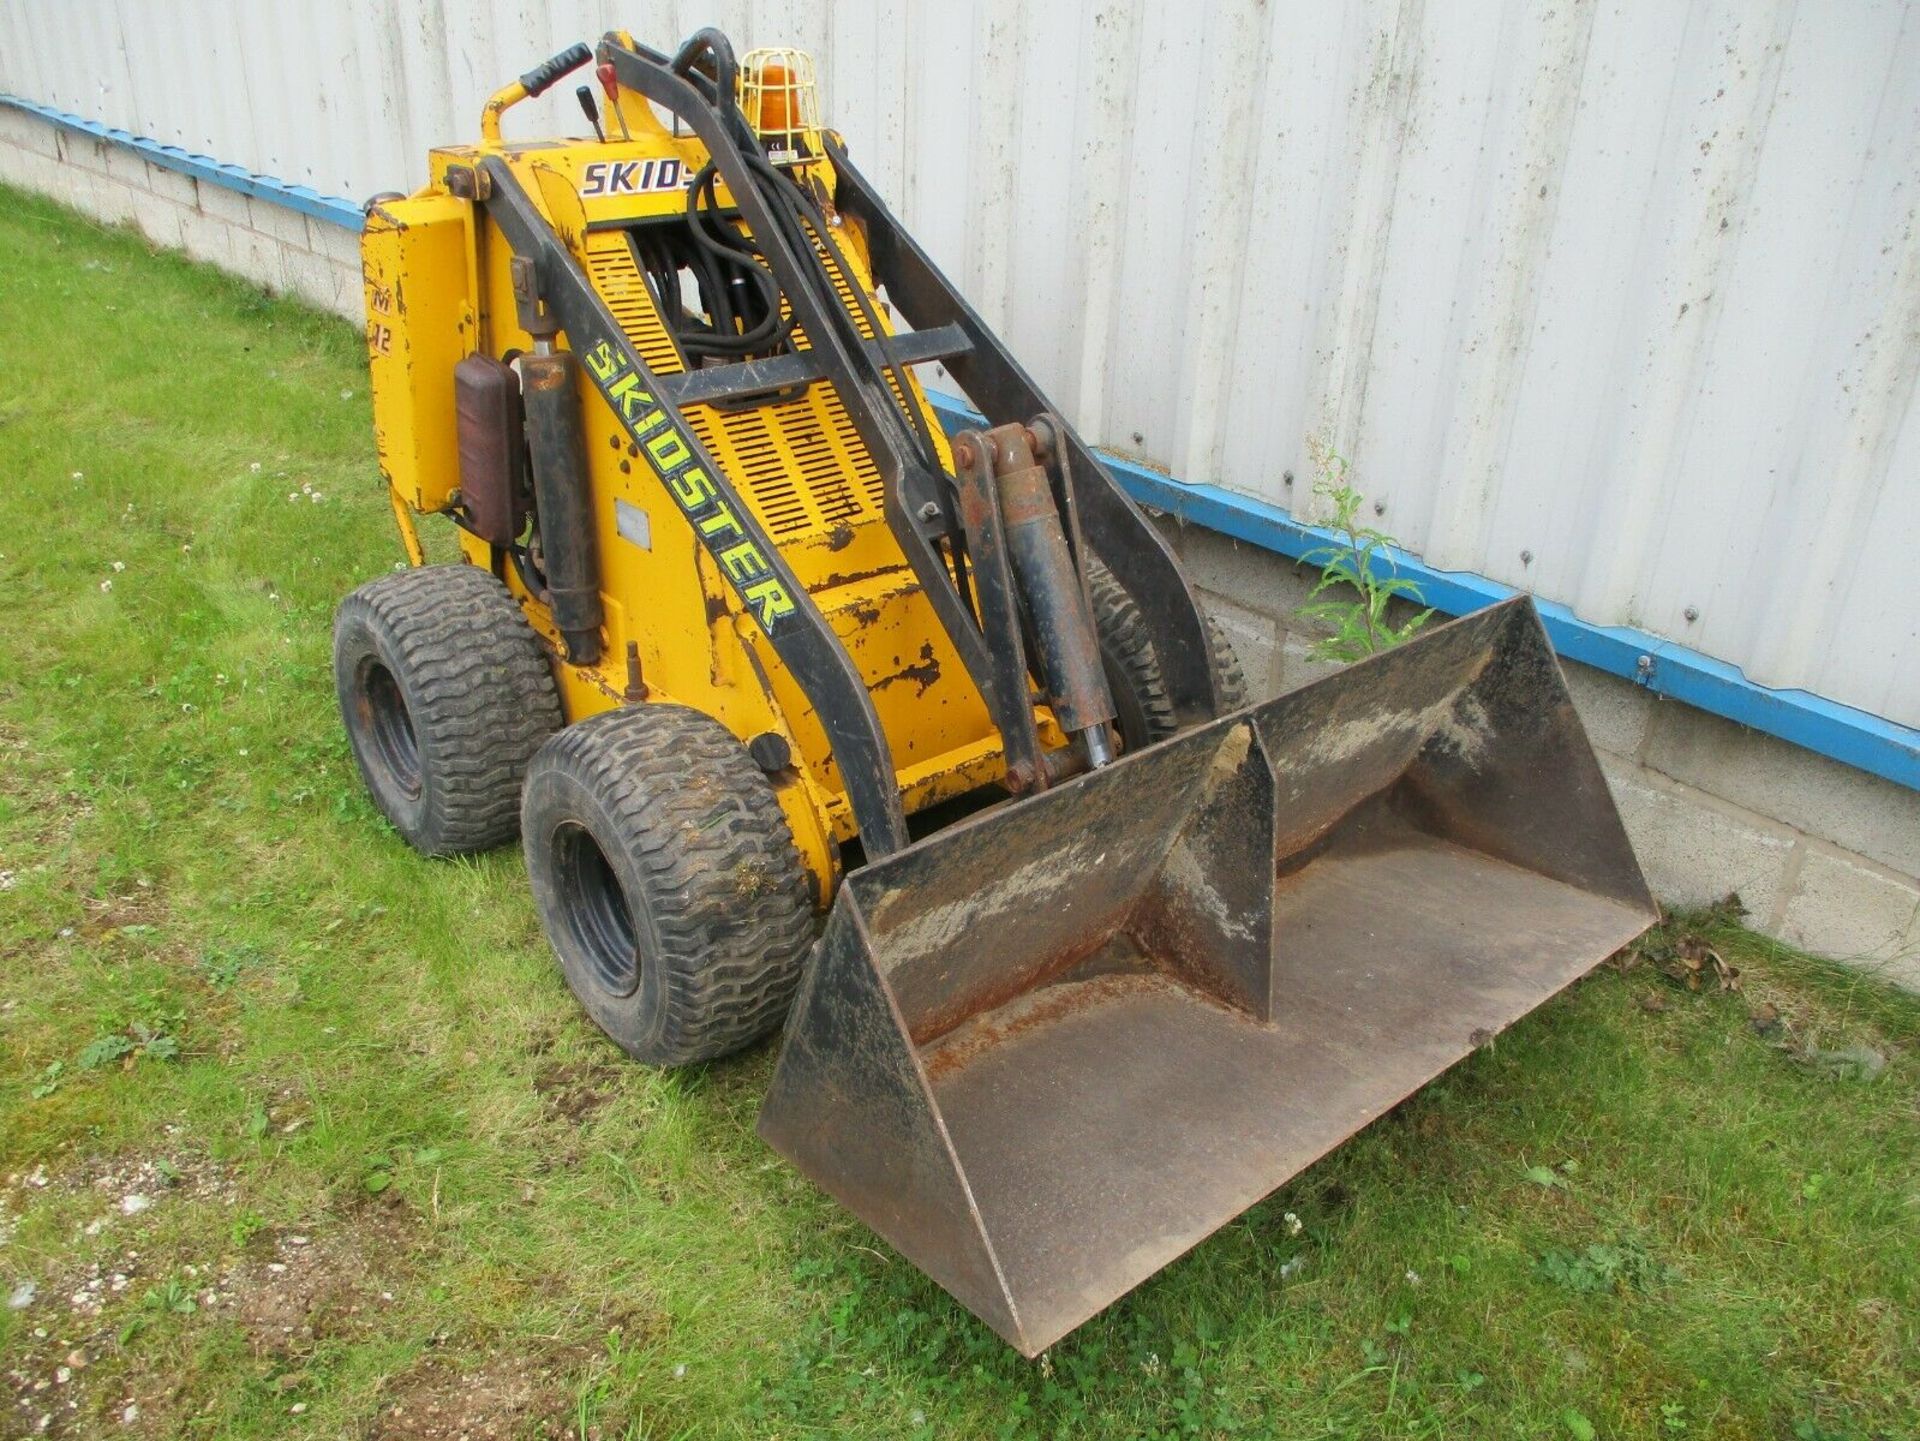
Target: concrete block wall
{"x": 1824, "y": 856}
{"x": 287, "y": 252}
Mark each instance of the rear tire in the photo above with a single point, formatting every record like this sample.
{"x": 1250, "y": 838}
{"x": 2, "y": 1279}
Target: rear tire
{"x": 446, "y": 693}
{"x": 667, "y": 881}
{"x": 1145, "y": 715}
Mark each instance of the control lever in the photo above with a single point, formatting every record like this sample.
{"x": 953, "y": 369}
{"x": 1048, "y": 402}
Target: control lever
{"x": 591, "y": 110}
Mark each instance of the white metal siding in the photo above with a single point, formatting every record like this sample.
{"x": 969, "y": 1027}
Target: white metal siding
{"x": 1618, "y": 302}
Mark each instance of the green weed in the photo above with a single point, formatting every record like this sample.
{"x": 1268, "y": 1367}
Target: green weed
{"x": 1352, "y": 573}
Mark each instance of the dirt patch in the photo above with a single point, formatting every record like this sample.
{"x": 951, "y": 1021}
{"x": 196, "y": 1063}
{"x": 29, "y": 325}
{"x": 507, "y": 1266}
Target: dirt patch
{"x": 503, "y": 1398}
{"x": 73, "y": 1319}
{"x": 50, "y": 1375}
{"x": 77, "y": 1365}
{"x": 576, "y": 1091}
{"x": 297, "y": 1288}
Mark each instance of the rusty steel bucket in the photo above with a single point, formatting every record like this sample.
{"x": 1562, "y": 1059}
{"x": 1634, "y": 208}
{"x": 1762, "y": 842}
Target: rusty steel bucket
{"x": 1046, "y": 1051}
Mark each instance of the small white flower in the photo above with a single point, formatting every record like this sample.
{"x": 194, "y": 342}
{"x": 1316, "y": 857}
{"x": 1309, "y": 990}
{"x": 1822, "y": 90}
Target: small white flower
{"x": 186, "y": 549}
{"x": 118, "y": 566}
{"x": 1413, "y": 1277}
{"x": 293, "y": 495}
{"x": 680, "y": 1371}
{"x": 346, "y": 395}
{"x": 243, "y": 750}
{"x": 318, "y": 497}
{"x": 105, "y": 586}
{"x": 219, "y": 677}
{"x": 255, "y": 467}
{"x": 78, "y": 475}
{"x": 1292, "y": 1223}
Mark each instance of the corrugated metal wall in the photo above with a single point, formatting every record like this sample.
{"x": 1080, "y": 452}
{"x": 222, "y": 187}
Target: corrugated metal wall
{"x": 1617, "y": 302}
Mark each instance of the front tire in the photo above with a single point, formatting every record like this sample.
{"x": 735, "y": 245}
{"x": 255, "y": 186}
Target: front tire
{"x": 1145, "y": 715}
{"x": 446, "y": 693}
{"x": 667, "y": 881}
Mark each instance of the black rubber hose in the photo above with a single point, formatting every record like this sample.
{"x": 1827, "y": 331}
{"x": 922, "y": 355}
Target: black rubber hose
{"x": 801, "y": 213}
{"x": 736, "y": 259}
{"x": 709, "y": 41}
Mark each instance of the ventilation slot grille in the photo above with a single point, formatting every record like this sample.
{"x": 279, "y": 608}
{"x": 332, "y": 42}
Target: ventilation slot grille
{"x": 798, "y": 464}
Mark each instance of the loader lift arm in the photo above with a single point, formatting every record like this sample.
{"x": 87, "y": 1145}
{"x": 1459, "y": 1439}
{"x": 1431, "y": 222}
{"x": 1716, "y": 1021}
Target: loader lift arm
{"x": 920, "y": 502}
{"x": 801, "y": 636}
{"x": 994, "y": 381}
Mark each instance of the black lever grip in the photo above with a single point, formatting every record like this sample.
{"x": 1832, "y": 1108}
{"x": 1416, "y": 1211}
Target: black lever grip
{"x": 565, "y": 63}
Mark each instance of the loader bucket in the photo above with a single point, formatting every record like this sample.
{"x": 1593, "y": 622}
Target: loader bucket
{"x": 1046, "y": 1051}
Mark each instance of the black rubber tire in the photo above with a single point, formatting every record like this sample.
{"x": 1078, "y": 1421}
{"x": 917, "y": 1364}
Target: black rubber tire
{"x": 446, "y": 693}
{"x": 1145, "y": 714}
{"x": 667, "y": 881}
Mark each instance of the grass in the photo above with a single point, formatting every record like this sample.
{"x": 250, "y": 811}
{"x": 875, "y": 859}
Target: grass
{"x": 228, "y": 991}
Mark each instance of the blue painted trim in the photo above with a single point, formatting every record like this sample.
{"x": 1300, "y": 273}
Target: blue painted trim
{"x": 1854, "y": 737}
{"x": 330, "y": 208}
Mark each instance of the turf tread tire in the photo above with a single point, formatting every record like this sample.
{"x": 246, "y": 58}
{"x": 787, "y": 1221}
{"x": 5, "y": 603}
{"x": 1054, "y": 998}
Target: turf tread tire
{"x": 1133, "y": 667}
{"x": 479, "y": 695}
{"x": 692, "y": 832}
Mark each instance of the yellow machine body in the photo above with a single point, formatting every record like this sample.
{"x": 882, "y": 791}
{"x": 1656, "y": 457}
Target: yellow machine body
{"x": 1042, "y": 1049}
{"x": 439, "y": 288}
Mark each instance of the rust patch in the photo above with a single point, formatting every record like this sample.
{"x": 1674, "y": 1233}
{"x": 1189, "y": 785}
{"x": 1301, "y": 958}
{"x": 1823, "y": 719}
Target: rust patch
{"x": 936, "y": 1031}
{"x": 1036, "y": 1011}
{"x": 922, "y": 673}
{"x": 840, "y": 537}
{"x": 841, "y": 577}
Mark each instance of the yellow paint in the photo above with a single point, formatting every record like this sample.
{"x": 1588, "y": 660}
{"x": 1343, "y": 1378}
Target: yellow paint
{"x": 414, "y": 266}
{"x": 439, "y": 288}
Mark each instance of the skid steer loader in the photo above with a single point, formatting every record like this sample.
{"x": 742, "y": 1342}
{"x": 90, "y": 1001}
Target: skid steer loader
{"x": 740, "y": 630}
